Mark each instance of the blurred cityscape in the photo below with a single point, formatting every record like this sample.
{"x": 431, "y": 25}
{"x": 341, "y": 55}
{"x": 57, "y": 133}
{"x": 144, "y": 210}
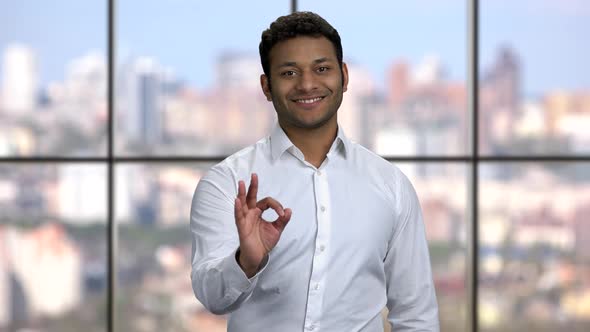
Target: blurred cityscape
{"x": 535, "y": 262}
{"x": 418, "y": 112}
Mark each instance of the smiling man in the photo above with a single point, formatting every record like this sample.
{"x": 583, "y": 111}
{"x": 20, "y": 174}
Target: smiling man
{"x": 348, "y": 238}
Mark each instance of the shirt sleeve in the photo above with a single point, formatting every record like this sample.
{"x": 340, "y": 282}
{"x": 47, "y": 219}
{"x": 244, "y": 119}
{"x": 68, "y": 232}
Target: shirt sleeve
{"x": 217, "y": 280}
{"x": 411, "y": 297}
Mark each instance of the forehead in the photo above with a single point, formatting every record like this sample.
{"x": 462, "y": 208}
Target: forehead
{"x": 302, "y": 50}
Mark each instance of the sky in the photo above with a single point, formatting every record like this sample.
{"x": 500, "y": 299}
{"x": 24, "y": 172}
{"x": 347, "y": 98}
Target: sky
{"x": 188, "y": 35}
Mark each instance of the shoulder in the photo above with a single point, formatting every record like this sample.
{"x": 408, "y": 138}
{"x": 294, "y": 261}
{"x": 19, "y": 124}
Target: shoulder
{"x": 239, "y": 165}
{"x": 375, "y": 166}
{"x": 382, "y": 173}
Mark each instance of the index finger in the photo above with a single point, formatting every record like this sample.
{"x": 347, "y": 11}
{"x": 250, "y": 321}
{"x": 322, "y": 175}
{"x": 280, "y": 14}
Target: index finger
{"x": 272, "y": 203}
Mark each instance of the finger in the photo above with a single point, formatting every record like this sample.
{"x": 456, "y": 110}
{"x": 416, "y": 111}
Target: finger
{"x": 272, "y": 203}
{"x": 239, "y": 214}
{"x": 242, "y": 192}
{"x": 252, "y": 191}
{"x": 257, "y": 212}
{"x": 281, "y": 222}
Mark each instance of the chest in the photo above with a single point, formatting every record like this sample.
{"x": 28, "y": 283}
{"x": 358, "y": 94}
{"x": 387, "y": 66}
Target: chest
{"x": 348, "y": 212}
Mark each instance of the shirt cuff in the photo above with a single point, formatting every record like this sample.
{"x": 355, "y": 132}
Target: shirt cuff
{"x": 236, "y": 277}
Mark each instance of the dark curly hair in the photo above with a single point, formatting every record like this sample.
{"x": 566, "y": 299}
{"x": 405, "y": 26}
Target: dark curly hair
{"x": 295, "y": 25}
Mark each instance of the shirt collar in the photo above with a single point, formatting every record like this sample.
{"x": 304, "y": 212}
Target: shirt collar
{"x": 279, "y": 142}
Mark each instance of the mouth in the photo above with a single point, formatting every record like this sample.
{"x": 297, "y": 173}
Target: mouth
{"x": 308, "y": 101}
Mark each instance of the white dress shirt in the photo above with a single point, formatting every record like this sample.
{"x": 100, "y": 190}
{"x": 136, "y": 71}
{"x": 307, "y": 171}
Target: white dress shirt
{"x": 355, "y": 243}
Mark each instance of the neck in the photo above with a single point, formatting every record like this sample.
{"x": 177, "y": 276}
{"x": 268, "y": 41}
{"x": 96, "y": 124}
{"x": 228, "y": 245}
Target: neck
{"x": 313, "y": 143}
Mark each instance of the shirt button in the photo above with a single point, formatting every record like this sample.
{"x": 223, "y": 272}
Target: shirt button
{"x": 316, "y": 287}
{"x": 319, "y": 173}
{"x": 311, "y": 328}
{"x": 323, "y": 208}
{"x": 322, "y": 247}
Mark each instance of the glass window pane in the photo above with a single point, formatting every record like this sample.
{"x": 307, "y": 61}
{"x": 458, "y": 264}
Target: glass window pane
{"x": 533, "y": 251}
{"x": 445, "y": 218}
{"x": 406, "y": 62}
{"x": 534, "y": 77}
{"x": 188, "y": 76}
{"x": 53, "y": 78}
{"x": 53, "y": 267}
{"x": 154, "y": 291}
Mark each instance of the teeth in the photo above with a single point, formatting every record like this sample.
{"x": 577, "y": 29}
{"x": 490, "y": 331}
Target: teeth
{"x": 309, "y": 101}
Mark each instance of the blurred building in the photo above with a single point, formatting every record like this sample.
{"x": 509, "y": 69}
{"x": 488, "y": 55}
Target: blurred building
{"x": 499, "y": 100}
{"x": 359, "y": 106}
{"x": 5, "y": 289}
{"x": 187, "y": 118}
{"x": 82, "y": 193}
{"x": 504, "y": 77}
{"x": 398, "y": 83}
{"x": 40, "y": 274}
{"x": 176, "y": 188}
{"x": 16, "y": 139}
{"x": 240, "y": 114}
{"x": 81, "y": 101}
{"x": 19, "y": 80}
{"x": 428, "y": 72}
{"x": 142, "y": 96}
{"x": 581, "y": 229}
{"x": 237, "y": 70}
{"x": 568, "y": 115}
{"x": 125, "y": 177}
{"x": 424, "y": 114}
{"x": 86, "y": 80}
{"x": 542, "y": 227}
{"x": 440, "y": 221}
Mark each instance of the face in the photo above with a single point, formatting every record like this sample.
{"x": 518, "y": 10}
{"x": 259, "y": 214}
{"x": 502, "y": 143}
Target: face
{"x": 306, "y": 83}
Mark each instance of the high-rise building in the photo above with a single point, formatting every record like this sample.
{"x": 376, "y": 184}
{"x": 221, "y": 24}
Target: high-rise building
{"x": 238, "y": 99}
{"x": 358, "y": 105}
{"x": 399, "y": 83}
{"x": 238, "y": 71}
{"x": 19, "y": 80}
{"x": 143, "y": 94}
{"x": 427, "y": 72}
{"x": 500, "y": 97}
{"x": 504, "y": 77}
{"x": 86, "y": 80}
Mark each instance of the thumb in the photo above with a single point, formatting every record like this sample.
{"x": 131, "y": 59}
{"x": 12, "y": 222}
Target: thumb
{"x": 283, "y": 221}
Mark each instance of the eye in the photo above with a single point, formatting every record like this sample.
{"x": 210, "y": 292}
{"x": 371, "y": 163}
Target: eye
{"x": 323, "y": 69}
{"x": 288, "y": 73}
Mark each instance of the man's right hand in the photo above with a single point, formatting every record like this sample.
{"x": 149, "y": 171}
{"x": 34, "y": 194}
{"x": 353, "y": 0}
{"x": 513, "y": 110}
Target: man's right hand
{"x": 257, "y": 236}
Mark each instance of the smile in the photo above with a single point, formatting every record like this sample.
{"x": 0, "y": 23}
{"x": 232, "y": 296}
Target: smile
{"x": 309, "y": 101}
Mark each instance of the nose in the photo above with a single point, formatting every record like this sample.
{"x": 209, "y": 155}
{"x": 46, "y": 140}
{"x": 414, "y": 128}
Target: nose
{"x": 307, "y": 82}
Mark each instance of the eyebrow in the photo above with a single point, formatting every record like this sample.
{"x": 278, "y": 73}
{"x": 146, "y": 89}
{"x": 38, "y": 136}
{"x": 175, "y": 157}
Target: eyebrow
{"x": 294, "y": 64}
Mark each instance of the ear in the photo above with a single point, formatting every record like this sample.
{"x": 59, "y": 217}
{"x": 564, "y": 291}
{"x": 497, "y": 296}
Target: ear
{"x": 265, "y": 84}
{"x": 344, "y": 77}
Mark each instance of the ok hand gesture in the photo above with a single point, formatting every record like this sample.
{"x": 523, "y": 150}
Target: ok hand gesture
{"x": 257, "y": 236}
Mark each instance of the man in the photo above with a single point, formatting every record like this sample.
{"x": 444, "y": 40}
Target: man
{"x": 348, "y": 238}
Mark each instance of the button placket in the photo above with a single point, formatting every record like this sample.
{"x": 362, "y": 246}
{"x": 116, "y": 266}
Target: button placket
{"x": 319, "y": 265}
{"x": 320, "y": 249}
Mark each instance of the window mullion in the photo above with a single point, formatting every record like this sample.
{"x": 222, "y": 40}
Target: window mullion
{"x": 111, "y": 227}
{"x": 472, "y": 102}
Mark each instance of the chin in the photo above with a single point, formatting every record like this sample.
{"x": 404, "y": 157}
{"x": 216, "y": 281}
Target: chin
{"x": 313, "y": 124}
